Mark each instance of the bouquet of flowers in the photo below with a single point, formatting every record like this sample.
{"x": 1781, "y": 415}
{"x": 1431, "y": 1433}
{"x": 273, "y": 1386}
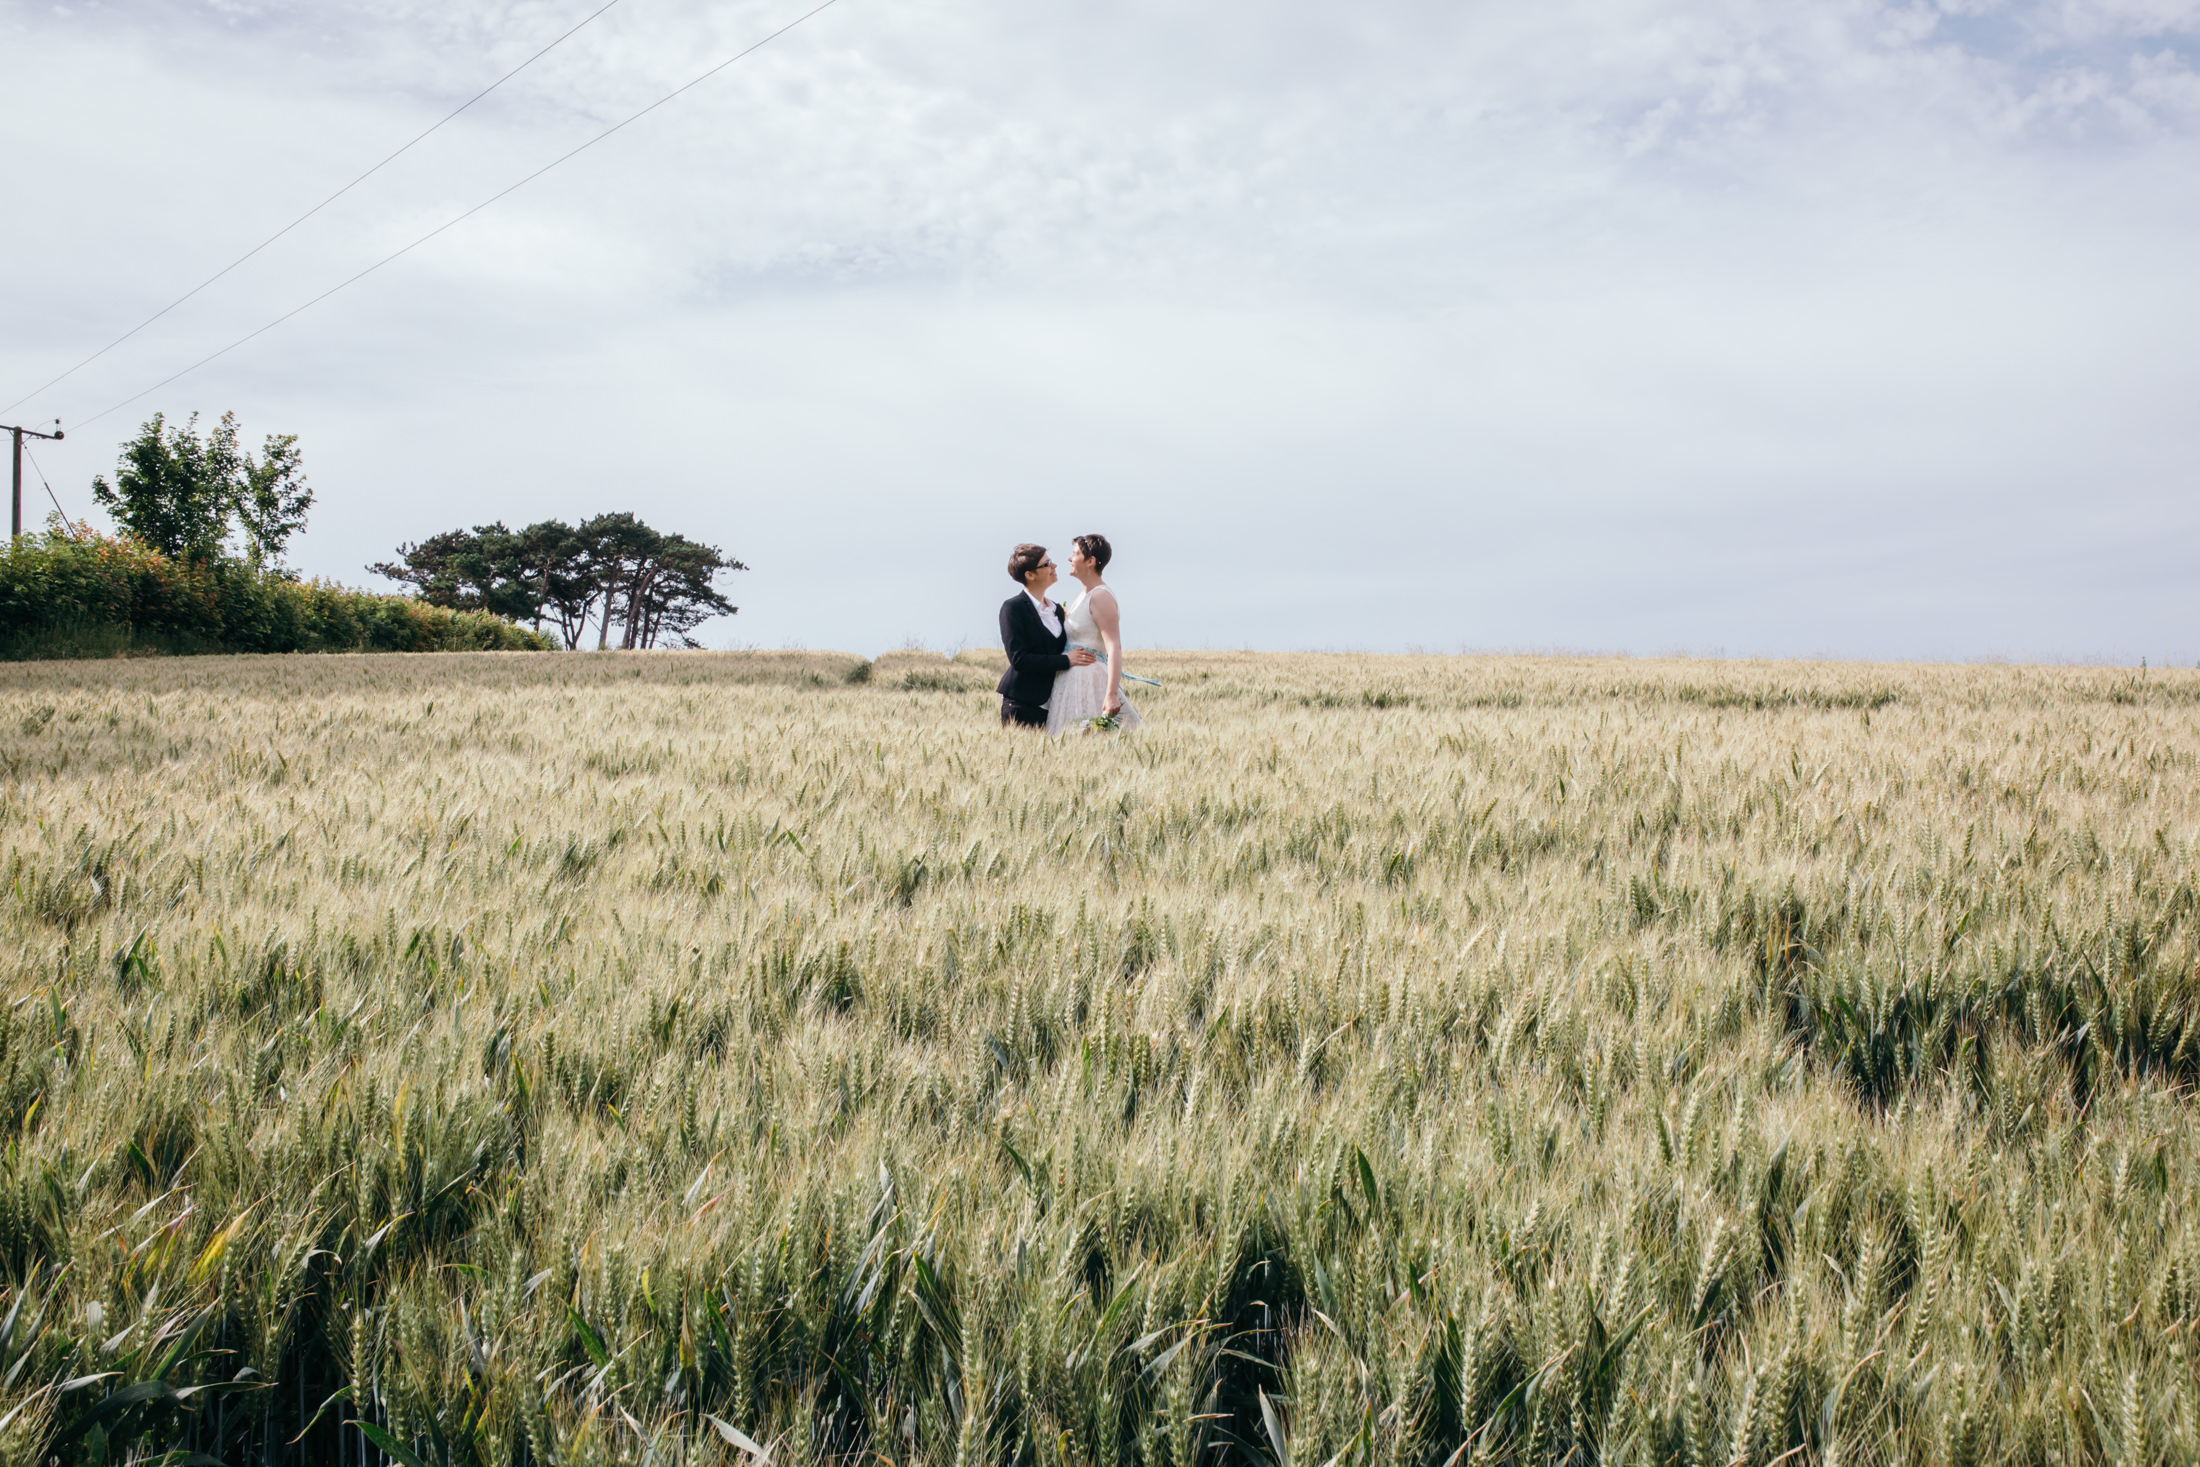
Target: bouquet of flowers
{"x": 1105, "y": 723}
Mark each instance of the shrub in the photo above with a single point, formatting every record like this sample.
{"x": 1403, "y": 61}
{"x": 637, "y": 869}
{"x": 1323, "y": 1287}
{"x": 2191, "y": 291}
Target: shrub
{"x": 86, "y": 595}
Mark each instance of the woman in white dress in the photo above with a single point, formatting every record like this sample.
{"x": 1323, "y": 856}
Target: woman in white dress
{"x": 1084, "y": 693}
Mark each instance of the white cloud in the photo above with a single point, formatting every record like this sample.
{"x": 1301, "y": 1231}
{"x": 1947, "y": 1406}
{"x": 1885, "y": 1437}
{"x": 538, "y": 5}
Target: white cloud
{"x": 1842, "y": 327}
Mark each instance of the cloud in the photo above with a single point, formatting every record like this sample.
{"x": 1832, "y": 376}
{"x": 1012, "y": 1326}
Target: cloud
{"x": 1849, "y": 327}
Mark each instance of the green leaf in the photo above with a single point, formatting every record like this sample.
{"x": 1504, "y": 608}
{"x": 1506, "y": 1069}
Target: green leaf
{"x": 84, "y": 1380}
{"x": 1276, "y": 1434}
{"x": 374, "y": 1241}
{"x": 1367, "y": 1183}
{"x": 218, "y": 1386}
{"x": 735, "y": 1437}
{"x": 1116, "y": 1306}
{"x": 590, "y": 1340}
{"x": 934, "y": 1304}
{"x": 1023, "y": 1167}
{"x": 1610, "y": 1356}
{"x": 1160, "y": 1362}
{"x": 343, "y": 1393}
{"x": 389, "y": 1444}
{"x": 183, "y": 1341}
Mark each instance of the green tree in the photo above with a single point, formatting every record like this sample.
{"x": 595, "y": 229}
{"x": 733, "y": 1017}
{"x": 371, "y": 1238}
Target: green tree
{"x": 672, "y": 593}
{"x": 171, "y": 488}
{"x": 181, "y": 494}
{"x": 553, "y": 560}
{"x": 522, "y": 575}
{"x": 651, "y": 582}
{"x": 272, "y": 497}
{"x": 465, "y": 570}
{"x": 613, "y": 570}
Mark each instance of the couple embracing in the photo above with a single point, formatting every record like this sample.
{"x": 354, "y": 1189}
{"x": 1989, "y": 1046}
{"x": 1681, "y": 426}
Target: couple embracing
{"x": 1065, "y": 668}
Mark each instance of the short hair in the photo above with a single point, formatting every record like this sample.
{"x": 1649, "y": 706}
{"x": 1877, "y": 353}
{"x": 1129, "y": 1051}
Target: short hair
{"x": 1096, "y": 549}
{"x": 1023, "y": 560}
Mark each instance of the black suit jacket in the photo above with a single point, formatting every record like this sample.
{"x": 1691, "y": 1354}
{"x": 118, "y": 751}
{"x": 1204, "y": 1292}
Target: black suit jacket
{"x": 1035, "y": 655}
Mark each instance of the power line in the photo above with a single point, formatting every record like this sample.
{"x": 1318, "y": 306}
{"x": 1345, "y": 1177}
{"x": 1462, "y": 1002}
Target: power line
{"x": 308, "y": 214}
{"x": 461, "y": 218}
{"x": 57, "y": 509}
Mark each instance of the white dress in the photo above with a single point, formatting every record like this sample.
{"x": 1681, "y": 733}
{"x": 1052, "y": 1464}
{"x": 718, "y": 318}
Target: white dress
{"x": 1081, "y": 693}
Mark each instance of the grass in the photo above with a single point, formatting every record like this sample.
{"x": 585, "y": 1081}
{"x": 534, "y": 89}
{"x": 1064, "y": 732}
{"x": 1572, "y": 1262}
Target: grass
{"x": 694, "y": 1057}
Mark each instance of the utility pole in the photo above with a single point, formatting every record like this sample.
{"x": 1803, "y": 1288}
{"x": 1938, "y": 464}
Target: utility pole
{"x": 15, "y": 522}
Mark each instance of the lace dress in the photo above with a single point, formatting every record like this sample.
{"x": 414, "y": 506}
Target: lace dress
{"x": 1081, "y": 693}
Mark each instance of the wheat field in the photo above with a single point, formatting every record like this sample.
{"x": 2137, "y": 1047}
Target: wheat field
{"x": 663, "y": 1058}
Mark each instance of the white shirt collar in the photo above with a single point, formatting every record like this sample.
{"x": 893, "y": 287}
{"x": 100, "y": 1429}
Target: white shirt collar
{"x": 1046, "y": 612}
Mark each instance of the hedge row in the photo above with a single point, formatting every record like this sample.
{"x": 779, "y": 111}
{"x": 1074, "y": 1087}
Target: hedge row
{"x": 80, "y": 594}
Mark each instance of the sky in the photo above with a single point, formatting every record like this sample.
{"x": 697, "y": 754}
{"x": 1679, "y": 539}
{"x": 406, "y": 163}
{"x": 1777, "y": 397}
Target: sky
{"x": 1718, "y": 327}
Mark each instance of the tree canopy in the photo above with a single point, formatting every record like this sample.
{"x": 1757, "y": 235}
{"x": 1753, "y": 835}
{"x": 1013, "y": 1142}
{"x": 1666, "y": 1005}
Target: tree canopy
{"x": 184, "y": 495}
{"x": 609, "y": 570}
